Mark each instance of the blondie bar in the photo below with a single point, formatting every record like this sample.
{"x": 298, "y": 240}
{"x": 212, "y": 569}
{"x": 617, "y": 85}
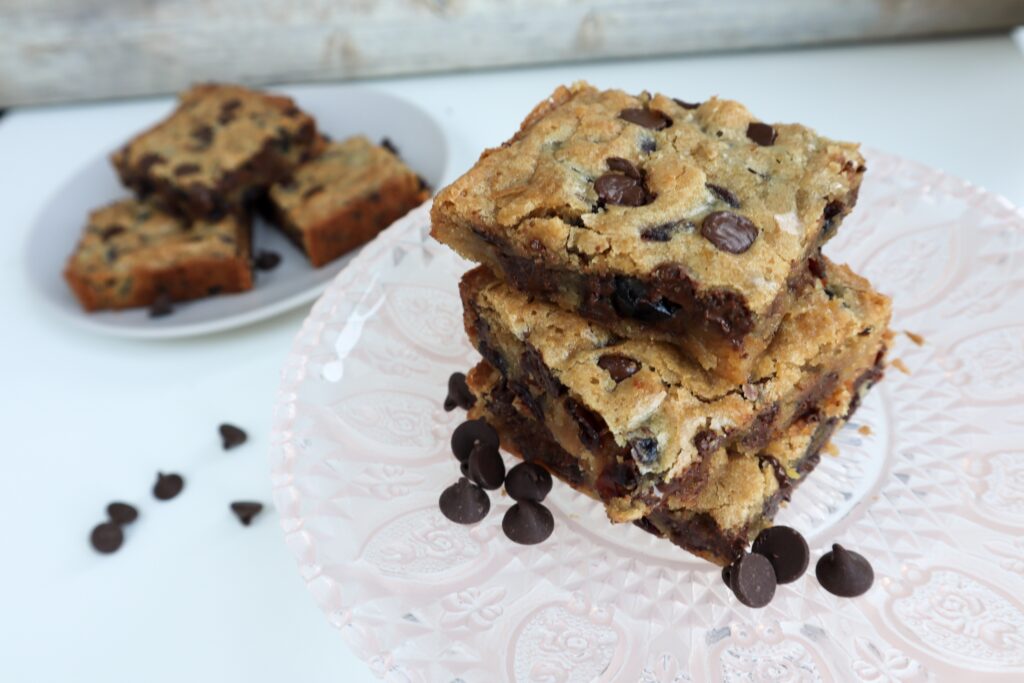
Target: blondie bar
{"x": 641, "y": 418}
{"x": 689, "y": 224}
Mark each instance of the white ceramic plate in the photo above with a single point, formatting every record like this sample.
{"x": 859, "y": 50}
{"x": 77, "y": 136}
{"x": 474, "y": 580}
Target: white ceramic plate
{"x": 340, "y": 112}
{"x": 932, "y": 494}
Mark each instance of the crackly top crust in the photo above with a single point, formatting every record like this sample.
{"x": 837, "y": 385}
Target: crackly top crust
{"x": 537, "y": 191}
{"x": 129, "y": 235}
{"x": 670, "y": 398}
{"x": 351, "y": 169}
{"x": 213, "y": 136}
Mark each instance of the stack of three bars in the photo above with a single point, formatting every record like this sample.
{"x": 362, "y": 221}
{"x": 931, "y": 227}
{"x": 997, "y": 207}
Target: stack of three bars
{"x": 658, "y": 326}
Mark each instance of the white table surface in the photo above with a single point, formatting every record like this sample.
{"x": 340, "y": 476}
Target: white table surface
{"x": 193, "y": 596}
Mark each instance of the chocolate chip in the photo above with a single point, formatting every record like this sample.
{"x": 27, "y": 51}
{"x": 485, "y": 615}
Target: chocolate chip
{"x": 111, "y": 231}
{"x": 122, "y": 513}
{"x": 245, "y": 510}
{"x": 752, "y": 580}
{"x": 844, "y": 572}
{"x": 167, "y": 486}
{"x": 203, "y": 136}
{"x": 624, "y": 166}
{"x": 616, "y": 480}
{"x": 706, "y": 442}
{"x": 528, "y": 523}
{"x": 528, "y": 481}
{"x": 817, "y": 268}
{"x": 266, "y": 259}
{"x": 459, "y": 395}
{"x": 162, "y": 305}
{"x": 186, "y": 169}
{"x": 589, "y": 424}
{"x": 724, "y": 194}
{"x": 761, "y": 133}
{"x": 686, "y": 105}
{"x": 471, "y": 433}
{"x": 618, "y": 366}
{"x": 665, "y": 231}
{"x": 727, "y": 575}
{"x": 107, "y": 537}
{"x": 231, "y": 436}
{"x": 389, "y": 146}
{"x": 729, "y": 231}
{"x": 486, "y": 468}
{"x": 648, "y": 145}
{"x": 227, "y": 111}
{"x": 787, "y": 551}
{"x": 648, "y": 118}
{"x": 644, "y": 450}
{"x": 615, "y": 188}
{"x": 464, "y": 502}
{"x": 833, "y": 209}
{"x": 315, "y": 190}
{"x": 631, "y": 300}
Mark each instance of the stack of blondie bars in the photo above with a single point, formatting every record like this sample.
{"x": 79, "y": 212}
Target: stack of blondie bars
{"x": 658, "y": 325}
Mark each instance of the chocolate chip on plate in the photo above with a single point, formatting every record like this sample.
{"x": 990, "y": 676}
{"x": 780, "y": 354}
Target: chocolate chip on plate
{"x": 167, "y": 486}
{"x": 162, "y": 305}
{"x": 619, "y": 367}
{"x": 528, "y": 481}
{"x": 729, "y": 231}
{"x": 752, "y": 580}
{"x": 844, "y": 572}
{"x": 266, "y": 259}
{"x": 648, "y": 118}
{"x": 231, "y": 436}
{"x": 761, "y": 133}
{"x": 469, "y": 434}
{"x": 122, "y": 513}
{"x": 724, "y": 194}
{"x": 528, "y": 523}
{"x": 459, "y": 395}
{"x": 464, "y": 502}
{"x": 106, "y": 537}
{"x": 787, "y": 551}
{"x": 245, "y": 510}
{"x": 486, "y": 467}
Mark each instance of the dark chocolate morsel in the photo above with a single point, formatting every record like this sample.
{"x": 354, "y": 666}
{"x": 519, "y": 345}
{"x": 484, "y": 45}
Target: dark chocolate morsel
{"x": 648, "y": 118}
{"x": 469, "y": 434}
{"x": 844, "y": 572}
{"x": 752, "y": 580}
{"x": 486, "y": 468}
{"x": 761, "y": 133}
{"x": 266, "y": 259}
{"x": 728, "y": 231}
{"x": 162, "y": 305}
{"x": 724, "y": 194}
{"x": 245, "y": 510}
{"x": 528, "y": 481}
{"x": 648, "y": 145}
{"x": 787, "y": 551}
{"x": 615, "y": 188}
{"x": 389, "y": 146}
{"x": 122, "y": 513}
{"x": 231, "y": 436}
{"x": 464, "y": 502}
{"x": 106, "y": 537}
{"x": 624, "y": 166}
{"x": 111, "y": 231}
{"x": 459, "y": 395}
{"x": 665, "y": 231}
{"x": 528, "y": 523}
{"x": 186, "y": 169}
{"x": 644, "y": 450}
{"x": 686, "y": 105}
{"x": 167, "y": 486}
{"x": 618, "y": 366}
{"x": 727, "y": 575}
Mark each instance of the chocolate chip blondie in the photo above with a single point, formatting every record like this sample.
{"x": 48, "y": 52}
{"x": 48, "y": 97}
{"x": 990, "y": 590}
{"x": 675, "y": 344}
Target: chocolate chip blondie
{"x": 222, "y": 145}
{"x": 342, "y": 198}
{"x": 740, "y": 498}
{"x": 691, "y": 224}
{"x": 643, "y": 420}
{"x": 134, "y": 251}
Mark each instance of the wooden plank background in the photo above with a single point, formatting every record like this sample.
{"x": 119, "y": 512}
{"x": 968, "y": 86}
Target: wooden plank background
{"x": 61, "y": 50}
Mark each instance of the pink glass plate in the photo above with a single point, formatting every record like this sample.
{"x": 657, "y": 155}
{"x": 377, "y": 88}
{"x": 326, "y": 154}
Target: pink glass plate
{"x": 933, "y": 494}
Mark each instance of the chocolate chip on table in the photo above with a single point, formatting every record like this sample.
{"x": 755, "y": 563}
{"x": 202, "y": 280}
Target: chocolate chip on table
{"x": 486, "y": 468}
{"x": 729, "y": 231}
{"x": 266, "y": 259}
{"x": 724, "y": 194}
{"x": 459, "y": 395}
{"x": 528, "y": 481}
{"x": 761, "y": 133}
{"x": 389, "y": 146}
{"x": 167, "y": 486}
{"x": 844, "y": 572}
{"x": 231, "y": 436}
{"x": 469, "y": 434}
{"x": 752, "y": 580}
{"x": 464, "y": 502}
{"x": 648, "y": 118}
{"x": 246, "y": 510}
{"x": 107, "y": 537}
{"x": 162, "y": 305}
{"x": 122, "y": 513}
{"x": 787, "y": 551}
{"x": 618, "y": 366}
{"x": 528, "y": 523}
{"x": 686, "y": 105}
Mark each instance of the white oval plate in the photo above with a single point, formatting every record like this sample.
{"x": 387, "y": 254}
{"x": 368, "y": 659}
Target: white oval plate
{"x": 932, "y": 493}
{"x": 294, "y": 282}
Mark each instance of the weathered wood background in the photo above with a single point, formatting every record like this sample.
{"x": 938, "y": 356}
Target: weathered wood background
{"x": 59, "y": 50}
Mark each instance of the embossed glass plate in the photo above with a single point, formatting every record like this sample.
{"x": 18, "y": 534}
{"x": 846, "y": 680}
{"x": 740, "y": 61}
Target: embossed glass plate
{"x": 933, "y": 494}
